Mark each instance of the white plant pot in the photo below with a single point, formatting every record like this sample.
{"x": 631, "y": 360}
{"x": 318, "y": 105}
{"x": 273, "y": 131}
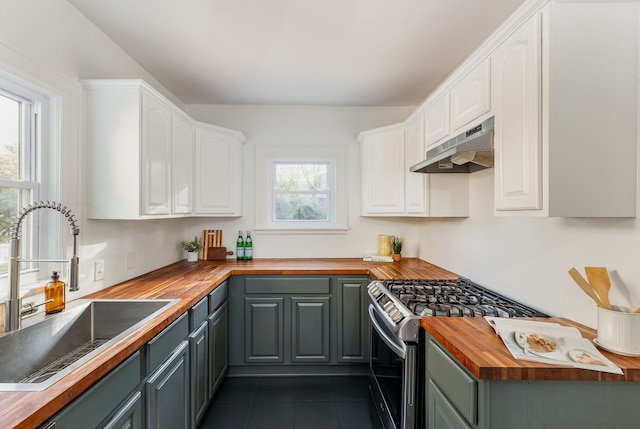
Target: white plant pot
{"x": 192, "y": 256}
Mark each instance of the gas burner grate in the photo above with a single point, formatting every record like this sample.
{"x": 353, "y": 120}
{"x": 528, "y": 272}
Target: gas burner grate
{"x": 455, "y": 299}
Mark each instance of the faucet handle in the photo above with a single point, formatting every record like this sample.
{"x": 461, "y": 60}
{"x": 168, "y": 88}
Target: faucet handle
{"x": 32, "y": 307}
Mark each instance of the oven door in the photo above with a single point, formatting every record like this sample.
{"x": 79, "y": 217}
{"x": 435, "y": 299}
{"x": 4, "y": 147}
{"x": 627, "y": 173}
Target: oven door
{"x": 393, "y": 377}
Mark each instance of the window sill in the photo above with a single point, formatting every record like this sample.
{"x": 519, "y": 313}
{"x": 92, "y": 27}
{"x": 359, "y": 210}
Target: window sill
{"x": 300, "y": 231}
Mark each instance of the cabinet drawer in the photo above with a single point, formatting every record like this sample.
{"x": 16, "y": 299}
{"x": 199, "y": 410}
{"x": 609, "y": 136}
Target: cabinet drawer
{"x": 161, "y": 346}
{"x": 266, "y": 285}
{"x": 198, "y": 313}
{"x": 217, "y": 297}
{"x": 459, "y": 387}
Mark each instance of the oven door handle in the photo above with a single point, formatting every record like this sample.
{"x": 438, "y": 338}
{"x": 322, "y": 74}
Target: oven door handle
{"x": 399, "y": 349}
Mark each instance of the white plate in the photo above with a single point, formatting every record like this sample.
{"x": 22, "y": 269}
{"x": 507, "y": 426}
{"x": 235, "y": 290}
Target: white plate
{"x": 595, "y": 341}
{"x": 576, "y": 354}
{"x": 521, "y": 339}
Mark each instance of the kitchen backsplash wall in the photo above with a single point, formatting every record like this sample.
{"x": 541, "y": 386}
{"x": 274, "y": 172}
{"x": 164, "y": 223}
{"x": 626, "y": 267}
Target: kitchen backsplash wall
{"x": 305, "y": 125}
{"x": 528, "y": 258}
{"x": 51, "y": 44}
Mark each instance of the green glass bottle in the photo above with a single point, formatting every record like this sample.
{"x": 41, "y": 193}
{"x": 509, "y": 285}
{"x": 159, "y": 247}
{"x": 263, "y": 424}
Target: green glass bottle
{"x": 240, "y": 247}
{"x": 248, "y": 248}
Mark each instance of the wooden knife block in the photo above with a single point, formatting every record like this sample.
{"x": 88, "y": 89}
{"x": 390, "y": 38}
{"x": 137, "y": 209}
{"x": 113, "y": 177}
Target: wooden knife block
{"x": 218, "y": 253}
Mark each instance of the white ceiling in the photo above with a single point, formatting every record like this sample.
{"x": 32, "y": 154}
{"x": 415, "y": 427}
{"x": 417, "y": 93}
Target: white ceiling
{"x": 317, "y": 52}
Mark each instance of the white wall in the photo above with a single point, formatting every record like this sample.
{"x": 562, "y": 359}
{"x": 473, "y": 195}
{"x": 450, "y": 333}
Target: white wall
{"x": 52, "y": 44}
{"x": 268, "y": 125}
{"x": 528, "y": 258}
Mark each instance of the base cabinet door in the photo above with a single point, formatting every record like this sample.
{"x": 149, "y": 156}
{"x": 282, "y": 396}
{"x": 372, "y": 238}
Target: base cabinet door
{"x": 310, "y": 329}
{"x": 199, "y": 354}
{"x": 442, "y": 415}
{"x": 353, "y": 321}
{"x": 129, "y": 416}
{"x": 264, "y": 330}
{"x": 218, "y": 347}
{"x": 167, "y": 392}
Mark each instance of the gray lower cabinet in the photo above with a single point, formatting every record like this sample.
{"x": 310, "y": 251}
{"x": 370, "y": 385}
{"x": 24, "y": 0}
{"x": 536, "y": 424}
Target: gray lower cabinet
{"x": 455, "y": 399}
{"x": 168, "y": 383}
{"x": 167, "y": 392}
{"x": 310, "y": 329}
{"x": 129, "y": 416}
{"x": 167, "y": 388}
{"x": 264, "y": 330}
{"x": 353, "y": 320}
{"x": 199, "y": 355}
{"x": 298, "y": 320}
{"x": 442, "y": 414}
{"x": 106, "y": 401}
{"x": 218, "y": 326}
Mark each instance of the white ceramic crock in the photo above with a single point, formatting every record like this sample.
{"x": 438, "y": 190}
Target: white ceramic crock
{"x": 619, "y": 330}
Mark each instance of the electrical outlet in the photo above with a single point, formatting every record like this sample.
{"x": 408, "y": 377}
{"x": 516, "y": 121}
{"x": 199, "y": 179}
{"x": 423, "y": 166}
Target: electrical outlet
{"x": 98, "y": 271}
{"x": 131, "y": 260}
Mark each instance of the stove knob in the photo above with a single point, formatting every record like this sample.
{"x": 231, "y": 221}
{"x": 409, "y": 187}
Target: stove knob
{"x": 388, "y": 306}
{"x": 374, "y": 290}
{"x": 397, "y": 317}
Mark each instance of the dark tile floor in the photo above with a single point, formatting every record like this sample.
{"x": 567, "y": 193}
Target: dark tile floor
{"x": 303, "y": 402}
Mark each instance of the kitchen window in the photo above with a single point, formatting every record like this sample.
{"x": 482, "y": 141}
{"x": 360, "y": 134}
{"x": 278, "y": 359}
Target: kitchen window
{"x": 301, "y": 189}
{"x": 27, "y": 147}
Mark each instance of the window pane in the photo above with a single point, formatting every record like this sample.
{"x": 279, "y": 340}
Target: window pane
{"x": 9, "y": 138}
{"x": 12, "y": 200}
{"x": 297, "y": 206}
{"x": 301, "y": 177}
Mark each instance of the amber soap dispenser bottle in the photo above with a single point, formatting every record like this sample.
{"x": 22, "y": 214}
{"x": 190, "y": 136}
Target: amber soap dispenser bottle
{"x": 54, "y": 290}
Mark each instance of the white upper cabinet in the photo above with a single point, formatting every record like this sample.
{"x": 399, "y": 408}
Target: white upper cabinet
{"x": 183, "y": 163}
{"x": 516, "y": 94}
{"x": 129, "y": 133}
{"x": 566, "y": 103}
{"x": 382, "y": 168}
{"x": 218, "y": 171}
{"x": 415, "y": 192}
{"x": 156, "y": 141}
{"x": 471, "y": 98}
{"x": 461, "y": 103}
{"x": 140, "y": 156}
{"x": 436, "y": 121}
{"x": 390, "y": 189}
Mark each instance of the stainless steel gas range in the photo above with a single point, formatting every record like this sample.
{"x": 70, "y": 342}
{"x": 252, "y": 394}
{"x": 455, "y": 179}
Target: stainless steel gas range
{"x": 397, "y": 342}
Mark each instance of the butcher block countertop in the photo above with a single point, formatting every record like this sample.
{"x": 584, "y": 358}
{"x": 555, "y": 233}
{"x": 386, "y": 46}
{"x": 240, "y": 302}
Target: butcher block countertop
{"x": 473, "y": 342}
{"x": 189, "y": 282}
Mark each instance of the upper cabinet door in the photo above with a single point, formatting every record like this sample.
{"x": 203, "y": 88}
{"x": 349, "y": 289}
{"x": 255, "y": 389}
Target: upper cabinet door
{"x": 471, "y": 98}
{"x": 183, "y": 144}
{"x": 516, "y": 72}
{"x": 436, "y": 121}
{"x": 382, "y": 165}
{"x": 218, "y": 171}
{"x": 415, "y": 183}
{"x": 156, "y": 156}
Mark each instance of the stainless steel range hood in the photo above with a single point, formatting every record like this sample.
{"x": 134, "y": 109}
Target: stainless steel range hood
{"x": 468, "y": 152}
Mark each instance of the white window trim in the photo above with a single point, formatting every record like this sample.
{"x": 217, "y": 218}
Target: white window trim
{"x": 266, "y": 156}
{"x": 50, "y": 239}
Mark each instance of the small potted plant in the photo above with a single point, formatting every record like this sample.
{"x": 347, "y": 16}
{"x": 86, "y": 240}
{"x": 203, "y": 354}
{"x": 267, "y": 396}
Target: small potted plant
{"x": 192, "y": 247}
{"x": 396, "y": 247}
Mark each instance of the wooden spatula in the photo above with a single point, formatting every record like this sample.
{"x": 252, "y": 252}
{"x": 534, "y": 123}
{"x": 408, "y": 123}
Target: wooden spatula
{"x": 586, "y": 287}
{"x": 599, "y": 280}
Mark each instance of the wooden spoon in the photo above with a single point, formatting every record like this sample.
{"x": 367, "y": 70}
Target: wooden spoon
{"x": 586, "y": 288}
{"x": 599, "y": 280}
